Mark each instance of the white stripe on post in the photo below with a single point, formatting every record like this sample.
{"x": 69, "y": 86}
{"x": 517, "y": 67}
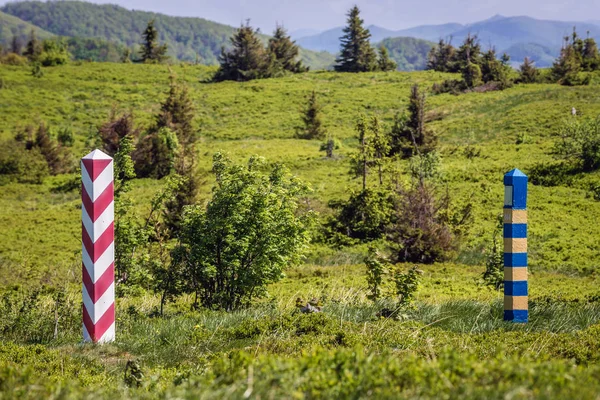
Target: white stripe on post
{"x": 98, "y": 251}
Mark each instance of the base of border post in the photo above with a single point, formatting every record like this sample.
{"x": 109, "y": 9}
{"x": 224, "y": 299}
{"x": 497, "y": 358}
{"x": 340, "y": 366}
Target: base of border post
{"x": 517, "y": 316}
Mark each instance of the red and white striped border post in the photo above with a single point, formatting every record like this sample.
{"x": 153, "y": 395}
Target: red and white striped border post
{"x": 98, "y": 247}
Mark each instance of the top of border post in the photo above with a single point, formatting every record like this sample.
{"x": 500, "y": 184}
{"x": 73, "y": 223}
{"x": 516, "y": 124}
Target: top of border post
{"x": 517, "y": 180}
{"x": 97, "y": 155}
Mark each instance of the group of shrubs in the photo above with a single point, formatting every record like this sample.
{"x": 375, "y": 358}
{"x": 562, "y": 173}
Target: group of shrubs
{"x": 484, "y": 71}
{"x": 47, "y": 53}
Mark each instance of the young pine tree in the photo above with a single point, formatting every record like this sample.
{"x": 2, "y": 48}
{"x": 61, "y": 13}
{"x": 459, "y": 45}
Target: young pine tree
{"x": 56, "y": 157}
{"x": 409, "y": 135}
{"x": 356, "y": 53}
{"x": 311, "y": 117}
{"x": 16, "y": 46}
{"x": 33, "y": 49}
{"x": 283, "y": 52}
{"x": 385, "y": 62}
{"x": 528, "y": 73}
{"x": 568, "y": 64}
{"x": 442, "y": 58}
{"x": 151, "y": 51}
{"x": 494, "y": 70}
{"x": 177, "y": 114}
{"x": 590, "y": 56}
{"x": 247, "y": 58}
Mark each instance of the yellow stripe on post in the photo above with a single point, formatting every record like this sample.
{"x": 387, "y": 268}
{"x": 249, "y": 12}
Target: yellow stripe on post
{"x": 512, "y": 216}
{"x": 516, "y": 303}
{"x": 515, "y": 274}
{"x": 512, "y": 245}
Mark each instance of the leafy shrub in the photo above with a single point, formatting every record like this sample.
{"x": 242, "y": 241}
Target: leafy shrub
{"x": 552, "y": 174}
{"x": 375, "y": 270}
{"x": 452, "y": 86}
{"x": 580, "y": 143}
{"x": 245, "y": 237}
{"x": 65, "y": 137}
{"x": 407, "y": 284}
{"x": 494, "y": 263}
{"x": 22, "y": 165}
{"x": 329, "y": 146}
{"x": 363, "y": 216}
{"x": 54, "y": 52}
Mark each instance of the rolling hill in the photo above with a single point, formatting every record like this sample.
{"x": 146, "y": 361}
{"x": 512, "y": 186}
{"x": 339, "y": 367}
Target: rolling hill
{"x": 12, "y": 26}
{"x": 189, "y": 39}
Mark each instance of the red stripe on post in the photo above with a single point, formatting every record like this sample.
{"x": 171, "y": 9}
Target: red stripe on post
{"x": 96, "y": 249}
{"x": 95, "y": 167}
{"x": 98, "y": 330}
{"x": 96, "y": 290}
{"x": 95, "y": 209}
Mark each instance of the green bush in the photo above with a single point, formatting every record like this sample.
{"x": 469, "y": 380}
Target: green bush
{"x": 21, "y": 165}
{"x": 363, "y": 216}
{"x": 245, "y": 237}
{"x": 54, "y": 52}
{"x": 580, "y": 143}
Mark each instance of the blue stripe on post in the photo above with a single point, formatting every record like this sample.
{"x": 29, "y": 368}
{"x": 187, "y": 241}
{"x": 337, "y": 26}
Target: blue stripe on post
{"x": 516, "y": 315}
{"x": 515, "y": 231}
{"x": 516, "y": 260}
{"x": 515, "y": 288}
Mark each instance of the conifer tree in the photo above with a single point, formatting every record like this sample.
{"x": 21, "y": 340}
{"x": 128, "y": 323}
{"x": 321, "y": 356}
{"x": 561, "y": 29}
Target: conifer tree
{"x": 313, "y": 126}
{"x": 151, "y": 51}
{"x": 528, "y": 73}
{"x": 442, "y": 58}
{"x": 409, "y": 134}
{"x": 33, "y": 49}
{"x": 494, "y": 70}
{"x": 55, "y": 157}
{"x": 385, "y": 62}
{"x": 472, "y": 75}
{"x": 591, "y": 57}
{"x": 247, "y": 58}
{"x": 126, "y": 56}
{"x": 568, "y": 64}
{"x": 283, "y": 52}
{"x": 177, "y": 114}
{"x": 16, "y": 45}
{"x": 469, "y": 52}
{"x": 356, "y": 53}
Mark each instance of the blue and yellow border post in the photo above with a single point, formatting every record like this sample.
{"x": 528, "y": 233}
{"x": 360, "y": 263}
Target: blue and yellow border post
{"x": 516, "y": 306}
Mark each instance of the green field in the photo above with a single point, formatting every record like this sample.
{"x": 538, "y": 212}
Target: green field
{"x": 451, "y": 344}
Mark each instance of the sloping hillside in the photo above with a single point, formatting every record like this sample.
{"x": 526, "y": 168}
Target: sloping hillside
{"x": 188, "y": 39}
{"x": 12, "y": 26}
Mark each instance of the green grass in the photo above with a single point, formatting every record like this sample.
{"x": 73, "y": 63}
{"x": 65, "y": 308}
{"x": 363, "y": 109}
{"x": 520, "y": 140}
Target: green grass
{"x": 452, "y": 344}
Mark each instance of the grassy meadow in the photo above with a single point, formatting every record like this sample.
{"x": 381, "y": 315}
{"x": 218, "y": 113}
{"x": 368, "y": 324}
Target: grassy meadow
{"x": 451, "y": 344}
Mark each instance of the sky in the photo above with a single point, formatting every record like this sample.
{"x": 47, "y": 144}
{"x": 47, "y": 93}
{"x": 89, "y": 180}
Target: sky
{"x": 390, "y": 14}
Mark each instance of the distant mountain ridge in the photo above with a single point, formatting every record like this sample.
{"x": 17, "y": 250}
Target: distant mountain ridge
{"x": 519, "y": 36}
